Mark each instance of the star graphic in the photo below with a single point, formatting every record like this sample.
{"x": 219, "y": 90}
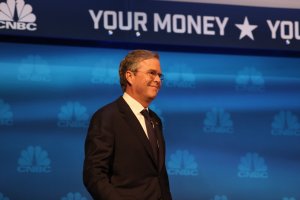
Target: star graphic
{"x": 246, "y": 29}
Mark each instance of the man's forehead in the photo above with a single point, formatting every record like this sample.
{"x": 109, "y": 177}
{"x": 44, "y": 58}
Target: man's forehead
{"x": 151, "y": 63}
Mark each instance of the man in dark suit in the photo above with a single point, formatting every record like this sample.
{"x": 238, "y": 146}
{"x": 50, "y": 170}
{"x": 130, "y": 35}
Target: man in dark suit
{"x": 125, "y": 147}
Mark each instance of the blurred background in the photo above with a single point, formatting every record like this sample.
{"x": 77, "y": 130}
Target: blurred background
{"x": 230, "y": 101}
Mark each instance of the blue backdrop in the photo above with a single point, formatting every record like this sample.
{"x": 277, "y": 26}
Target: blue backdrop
{"x": 231, "y": 122}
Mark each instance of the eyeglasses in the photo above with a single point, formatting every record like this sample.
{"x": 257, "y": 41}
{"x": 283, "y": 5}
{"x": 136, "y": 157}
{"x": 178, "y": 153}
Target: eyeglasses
{"x": 152, "y": 74}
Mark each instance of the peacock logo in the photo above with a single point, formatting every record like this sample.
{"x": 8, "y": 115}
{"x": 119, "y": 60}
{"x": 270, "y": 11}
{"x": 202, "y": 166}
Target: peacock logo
{"x": 17, "y": 15}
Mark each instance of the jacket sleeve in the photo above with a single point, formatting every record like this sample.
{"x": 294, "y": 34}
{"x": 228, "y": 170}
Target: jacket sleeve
{"x": 99, "y": 148}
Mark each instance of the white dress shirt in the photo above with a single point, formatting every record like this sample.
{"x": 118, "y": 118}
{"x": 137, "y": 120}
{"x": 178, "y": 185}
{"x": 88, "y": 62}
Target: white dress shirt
{"x": 136, "y": 108}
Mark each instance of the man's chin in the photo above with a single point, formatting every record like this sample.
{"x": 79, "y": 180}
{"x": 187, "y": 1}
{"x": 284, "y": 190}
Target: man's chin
{"x": 152, "y": 96}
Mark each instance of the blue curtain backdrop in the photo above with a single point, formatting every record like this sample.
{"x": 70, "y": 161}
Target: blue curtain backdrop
{"x": 231, "y": 122}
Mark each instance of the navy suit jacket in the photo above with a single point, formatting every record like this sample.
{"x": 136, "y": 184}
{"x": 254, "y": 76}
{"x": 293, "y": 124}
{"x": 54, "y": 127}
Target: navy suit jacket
{"x": 119, "y": 162}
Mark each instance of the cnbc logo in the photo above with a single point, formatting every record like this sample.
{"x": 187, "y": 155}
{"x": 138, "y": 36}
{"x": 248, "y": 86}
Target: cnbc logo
{"x": 288, "y": 198}
{"x": 104, "y": 73}
{"x": 285, "y": 123}
{"x": 73, "y": 196}
{"x": 218, "y": 121}
{"x": 252, "y": 166}
{"x": 180, "y": 77}
{"x": 182, "y": 163}
{"x": 34, "y": 68}
{"x": 220, "y": 197}
{"x": 34, "y": 160}
{"x": 16, "y": 15}
{"x": 2, "y": 197}
{"x": 249, "y": 79}
{"x": 73, "y": 115}
{"x": 6, "y": 115}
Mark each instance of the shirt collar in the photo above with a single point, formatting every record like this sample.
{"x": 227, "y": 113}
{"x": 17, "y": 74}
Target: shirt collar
{"x": 135, "y": 106}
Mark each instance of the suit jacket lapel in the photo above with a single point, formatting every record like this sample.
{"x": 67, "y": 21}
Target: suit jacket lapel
{"x": 135, "y": 125}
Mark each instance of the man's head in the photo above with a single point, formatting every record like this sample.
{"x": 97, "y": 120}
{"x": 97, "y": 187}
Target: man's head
{"x": 140, "y": 75}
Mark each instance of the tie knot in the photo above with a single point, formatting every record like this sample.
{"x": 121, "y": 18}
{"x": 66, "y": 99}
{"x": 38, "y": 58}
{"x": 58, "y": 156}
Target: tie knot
{"x": 145, "y": 113}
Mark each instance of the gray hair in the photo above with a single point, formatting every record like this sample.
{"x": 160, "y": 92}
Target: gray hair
{"x": 130, "y": 63}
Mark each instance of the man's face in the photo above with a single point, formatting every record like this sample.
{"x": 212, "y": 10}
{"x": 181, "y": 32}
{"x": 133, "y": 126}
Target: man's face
{"x": 146, "y": 81}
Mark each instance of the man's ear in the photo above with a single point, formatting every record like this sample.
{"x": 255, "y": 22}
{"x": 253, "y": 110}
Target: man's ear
{"x": 129, "y": 76}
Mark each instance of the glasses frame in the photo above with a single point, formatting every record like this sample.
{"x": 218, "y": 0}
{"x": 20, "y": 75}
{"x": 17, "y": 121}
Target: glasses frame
{"x": 152, "y": 74}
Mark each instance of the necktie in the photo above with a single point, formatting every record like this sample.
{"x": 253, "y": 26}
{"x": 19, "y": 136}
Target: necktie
{"x": 151, "y": 133}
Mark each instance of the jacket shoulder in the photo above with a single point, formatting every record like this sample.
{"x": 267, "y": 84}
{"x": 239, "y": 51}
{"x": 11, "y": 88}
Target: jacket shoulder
{"x": 108, "y": 110}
